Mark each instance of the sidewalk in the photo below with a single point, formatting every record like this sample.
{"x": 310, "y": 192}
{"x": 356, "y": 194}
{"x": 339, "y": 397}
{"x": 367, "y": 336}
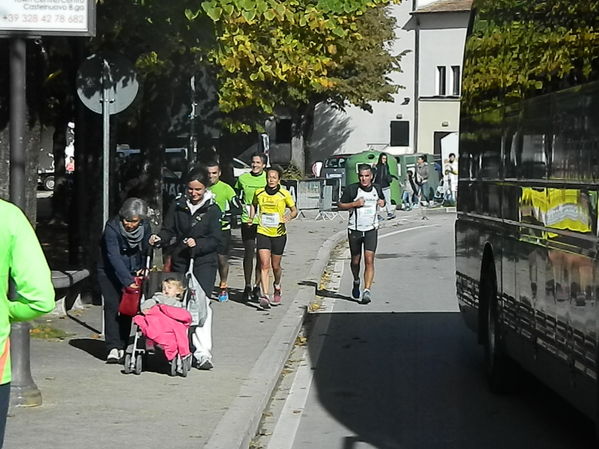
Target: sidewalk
{"x": 86, "y": 401}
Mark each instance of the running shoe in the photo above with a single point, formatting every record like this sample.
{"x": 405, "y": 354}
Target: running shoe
{"x": 256, "y": 293}
{"x": 276, "y": 297}
{"x": 356, "y": 290}
{"x": 390, "y": 216}
{"x": 113, "y": 356}
{"x": 264, "y": 302}
{"x": 223, "y": 296}
{"x": 204, "y": 363}
{"x": 366, "y": 297}
{"x": 247, "y": 294}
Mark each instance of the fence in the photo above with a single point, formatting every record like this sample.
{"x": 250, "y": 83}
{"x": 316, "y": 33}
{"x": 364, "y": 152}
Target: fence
{"x": 315, "y": 194}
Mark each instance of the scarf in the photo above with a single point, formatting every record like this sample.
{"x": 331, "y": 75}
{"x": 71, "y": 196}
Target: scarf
{"x": 273, "y": 190}
{"x": 208, "y": 196}
{"x": 133, "y": 238}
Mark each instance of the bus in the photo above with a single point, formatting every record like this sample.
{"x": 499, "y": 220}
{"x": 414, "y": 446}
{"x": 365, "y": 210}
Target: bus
{"x": 527, "y": 267}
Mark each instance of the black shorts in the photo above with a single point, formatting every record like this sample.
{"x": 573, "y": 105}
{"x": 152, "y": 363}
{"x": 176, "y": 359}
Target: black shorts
{"x": 357, "y": 238}
{"x": 225, "y": 245}
{"x": 248, "y": 232}
{"x": 276, "y": 245}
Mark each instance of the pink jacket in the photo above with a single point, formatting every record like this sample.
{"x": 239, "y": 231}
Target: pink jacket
{"x": 167, "y": 326}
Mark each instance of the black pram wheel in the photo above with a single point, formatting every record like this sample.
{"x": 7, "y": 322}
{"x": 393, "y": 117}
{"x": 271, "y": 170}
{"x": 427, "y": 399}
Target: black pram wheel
{"x": 138, "y": 363}
{"x": 185, "y": 366}
{"x": 127, "y": 363}
{"x": 173, "y": 371}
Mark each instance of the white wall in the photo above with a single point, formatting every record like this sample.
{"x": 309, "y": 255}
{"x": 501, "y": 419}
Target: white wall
{"x": 355, "y": 130}
{"x": 442, "y": 38}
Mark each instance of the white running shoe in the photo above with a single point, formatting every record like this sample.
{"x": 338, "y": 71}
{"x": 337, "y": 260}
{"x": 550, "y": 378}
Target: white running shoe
{"x": 113, "y": 356}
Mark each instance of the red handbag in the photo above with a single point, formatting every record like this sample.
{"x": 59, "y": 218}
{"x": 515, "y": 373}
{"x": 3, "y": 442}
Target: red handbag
{"x": 130, "y": 297}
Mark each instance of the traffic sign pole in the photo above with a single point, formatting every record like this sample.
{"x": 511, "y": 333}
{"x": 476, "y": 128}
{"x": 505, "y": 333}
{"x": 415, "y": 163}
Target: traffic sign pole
{"x": 23, "y": 390}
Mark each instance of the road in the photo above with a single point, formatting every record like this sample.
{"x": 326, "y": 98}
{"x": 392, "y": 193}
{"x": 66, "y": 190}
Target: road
{"x": 404, "y": 372}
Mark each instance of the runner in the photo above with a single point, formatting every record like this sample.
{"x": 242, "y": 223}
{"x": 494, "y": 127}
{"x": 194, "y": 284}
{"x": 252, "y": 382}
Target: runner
{"x": 362, "y": 199}
{"x": 226, "y": 199}
{"x": 246, "y": 186}
{"x": 269, "y": 205}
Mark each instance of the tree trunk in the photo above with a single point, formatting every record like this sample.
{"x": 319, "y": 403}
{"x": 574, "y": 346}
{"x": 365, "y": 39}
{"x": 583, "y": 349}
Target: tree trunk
{"x": 307, "y": 131}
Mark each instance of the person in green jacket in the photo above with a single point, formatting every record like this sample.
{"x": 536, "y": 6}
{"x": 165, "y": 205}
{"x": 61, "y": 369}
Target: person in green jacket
{"x": 246, "y": 187}
{"x": 23, "y": 262}
{"x": 227, "y": 201}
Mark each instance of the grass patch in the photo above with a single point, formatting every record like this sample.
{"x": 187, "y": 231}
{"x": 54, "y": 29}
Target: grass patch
{"x": 46, "y": 332}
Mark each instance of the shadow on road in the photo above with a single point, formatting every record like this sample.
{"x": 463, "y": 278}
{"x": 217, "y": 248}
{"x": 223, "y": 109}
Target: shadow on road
{"x": 95, "y": 348}
{"x": 415, "y": 380}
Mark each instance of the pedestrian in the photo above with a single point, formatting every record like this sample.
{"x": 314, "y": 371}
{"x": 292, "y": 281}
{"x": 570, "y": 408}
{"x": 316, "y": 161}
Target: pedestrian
{"x": 422, "y": 176}
{"x": 192, "y": 226}
{"x": 384, "y": 178}
{"x": 362, "y": 199}
{"x": 22, "y": 262}
{"x": 451, "y": 170}
{"x": 246, "y": 187}
{"x": 123, "y": 247}
{"x": 227, "y": 201}
{"x": 408, "y": 191}
{"x": 269, "y": 205}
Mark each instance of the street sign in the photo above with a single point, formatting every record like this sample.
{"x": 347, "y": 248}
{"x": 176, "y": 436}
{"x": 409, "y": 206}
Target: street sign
{"x": 123, "y": 85}
{"x": 48, "y": 18}
{"x": 106, "y": 84}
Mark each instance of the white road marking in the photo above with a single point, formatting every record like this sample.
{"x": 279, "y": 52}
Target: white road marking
{"x": 406, "y": 230}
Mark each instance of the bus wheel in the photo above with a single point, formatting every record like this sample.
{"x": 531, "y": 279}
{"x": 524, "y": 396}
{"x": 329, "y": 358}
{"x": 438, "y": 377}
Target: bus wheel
{"x": 499, "y": 367}
{"x": 49, "y": 183}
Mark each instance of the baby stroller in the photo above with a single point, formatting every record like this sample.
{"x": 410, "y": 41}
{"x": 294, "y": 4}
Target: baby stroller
{"x": 193, "y": 301}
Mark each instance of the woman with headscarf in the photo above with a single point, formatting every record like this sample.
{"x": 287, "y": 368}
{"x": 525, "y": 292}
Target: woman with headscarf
{"x": 124, "y": 245}
{"x": 384, "y": 178}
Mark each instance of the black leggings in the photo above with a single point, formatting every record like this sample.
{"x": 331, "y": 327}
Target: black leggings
{"x": 116, "y": 327}
{"x": 4, "y": 400}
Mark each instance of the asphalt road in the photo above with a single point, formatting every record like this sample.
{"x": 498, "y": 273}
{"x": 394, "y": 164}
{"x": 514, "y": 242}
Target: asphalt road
{"x": 404, "y": 372}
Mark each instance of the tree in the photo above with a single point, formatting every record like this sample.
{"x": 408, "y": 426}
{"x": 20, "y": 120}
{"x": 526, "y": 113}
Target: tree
{"x": 290, "y": 55}
{"x": 520, "y": 48}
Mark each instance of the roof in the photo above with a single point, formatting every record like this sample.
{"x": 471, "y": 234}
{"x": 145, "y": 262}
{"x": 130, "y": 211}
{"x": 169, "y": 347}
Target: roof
{"x": 445, "y": 6}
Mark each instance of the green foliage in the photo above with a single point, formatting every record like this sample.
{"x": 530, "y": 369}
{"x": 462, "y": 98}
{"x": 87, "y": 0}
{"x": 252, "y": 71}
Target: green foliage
{"x": 519, "y": 48}
{"x": 274, "y": 53}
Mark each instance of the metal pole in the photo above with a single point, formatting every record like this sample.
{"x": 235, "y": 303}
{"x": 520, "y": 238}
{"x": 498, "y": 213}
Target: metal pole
{"x": 106, "y": 100}
{"x": 23, "y": 390}
{"x": 106, "y": 86}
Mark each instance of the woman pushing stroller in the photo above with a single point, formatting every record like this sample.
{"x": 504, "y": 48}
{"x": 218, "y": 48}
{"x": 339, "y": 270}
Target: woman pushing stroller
{"x": 192, "y": 225}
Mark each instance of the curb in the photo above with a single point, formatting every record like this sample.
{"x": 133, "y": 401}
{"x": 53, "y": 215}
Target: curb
{"x": 240, "y": 423}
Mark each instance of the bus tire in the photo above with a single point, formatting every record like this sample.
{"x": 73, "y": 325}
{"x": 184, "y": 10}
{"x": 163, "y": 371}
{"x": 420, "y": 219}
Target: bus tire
{"x": 500, "y": 369}
{"x": 48, "y": 183}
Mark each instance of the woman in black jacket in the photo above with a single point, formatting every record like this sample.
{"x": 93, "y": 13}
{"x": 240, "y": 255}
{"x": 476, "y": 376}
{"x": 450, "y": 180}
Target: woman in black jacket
{"x": 192, "y": 225}
{"x": 124, "y": 245}
{"x": 384, "y": 178}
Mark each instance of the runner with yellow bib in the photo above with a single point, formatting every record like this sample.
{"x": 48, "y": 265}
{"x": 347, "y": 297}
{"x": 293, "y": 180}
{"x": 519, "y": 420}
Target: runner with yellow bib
{"x": 270, "y": 206}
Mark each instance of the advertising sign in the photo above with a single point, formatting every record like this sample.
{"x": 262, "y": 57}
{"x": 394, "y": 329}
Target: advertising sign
{"x": 47, "y": 17}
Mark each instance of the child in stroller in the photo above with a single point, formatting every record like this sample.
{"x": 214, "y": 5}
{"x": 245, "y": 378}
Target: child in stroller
{"x": 164, "y": 321}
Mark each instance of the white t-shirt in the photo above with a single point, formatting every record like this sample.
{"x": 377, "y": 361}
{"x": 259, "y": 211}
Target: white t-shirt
{"x": 363, "y": 218}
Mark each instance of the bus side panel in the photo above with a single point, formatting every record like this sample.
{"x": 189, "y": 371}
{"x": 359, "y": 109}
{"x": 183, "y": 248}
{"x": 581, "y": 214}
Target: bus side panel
{"x": 473, "y": 234}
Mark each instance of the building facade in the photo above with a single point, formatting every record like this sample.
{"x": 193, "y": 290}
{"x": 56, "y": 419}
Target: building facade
{"x": 424, "y": 115}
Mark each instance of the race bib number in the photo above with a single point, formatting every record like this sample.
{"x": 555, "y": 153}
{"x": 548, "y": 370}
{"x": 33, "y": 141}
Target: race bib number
{"x": 270, "y": 220}
{"x": 369, "y": 208}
